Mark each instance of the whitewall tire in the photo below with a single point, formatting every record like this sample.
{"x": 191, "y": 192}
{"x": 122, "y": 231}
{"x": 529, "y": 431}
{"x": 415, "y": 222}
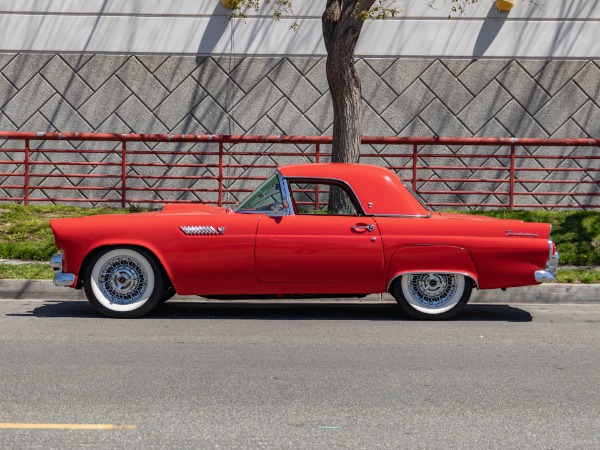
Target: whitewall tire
{"x": 124, "y": 282}
{"x": 432, "y": 296}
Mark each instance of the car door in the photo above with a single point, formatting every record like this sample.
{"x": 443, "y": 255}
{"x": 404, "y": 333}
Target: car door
{"x": 312, "y": 246}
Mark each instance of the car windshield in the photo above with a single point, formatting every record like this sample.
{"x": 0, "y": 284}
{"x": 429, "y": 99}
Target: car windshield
{"x": 266, "y": 198}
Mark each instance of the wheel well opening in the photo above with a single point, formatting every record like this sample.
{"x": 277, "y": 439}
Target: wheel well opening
{"x": 398, "y": 277}
{"x": 94, "y": 252}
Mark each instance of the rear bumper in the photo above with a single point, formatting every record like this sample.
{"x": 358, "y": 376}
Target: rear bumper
{"x": 549, "y": 274}
{"x": 545, "y": 276}
{"x": 61, "y": 278}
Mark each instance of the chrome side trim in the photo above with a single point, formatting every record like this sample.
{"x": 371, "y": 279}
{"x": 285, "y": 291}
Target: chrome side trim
{"x": 405, "y": 216}
{"x": 201, "y": 230}
{"x": 414, "y": 273}
{"x": 64, "y": 279}
{"x": 245, "y": 211}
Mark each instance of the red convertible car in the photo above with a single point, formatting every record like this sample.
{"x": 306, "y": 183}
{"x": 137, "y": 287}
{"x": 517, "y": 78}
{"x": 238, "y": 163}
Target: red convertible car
{"x": 316, "y": 230}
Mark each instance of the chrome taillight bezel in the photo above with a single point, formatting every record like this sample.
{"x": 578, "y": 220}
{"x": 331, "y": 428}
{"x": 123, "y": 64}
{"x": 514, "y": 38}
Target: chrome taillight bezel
{"x": 553, "y": 255}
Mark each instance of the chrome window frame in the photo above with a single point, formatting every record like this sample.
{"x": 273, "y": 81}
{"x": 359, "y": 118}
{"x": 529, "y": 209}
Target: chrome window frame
{"x": 285, "y": 198}
{"x": 340, "y": 183}
{"x": 289, "y": 211}
{"x": 285, "y": 194}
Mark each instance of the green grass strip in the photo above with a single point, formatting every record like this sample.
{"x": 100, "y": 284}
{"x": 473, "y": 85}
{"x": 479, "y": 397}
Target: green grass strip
{"x": 25, "y": 231}
{"x": 576, "y": 233}
{"x": 36, "y": 271}
{"x": 578, "y": 276}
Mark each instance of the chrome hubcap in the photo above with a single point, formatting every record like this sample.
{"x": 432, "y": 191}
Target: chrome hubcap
{"x": 123, "y": 280}
{"x": 432, "y": 289}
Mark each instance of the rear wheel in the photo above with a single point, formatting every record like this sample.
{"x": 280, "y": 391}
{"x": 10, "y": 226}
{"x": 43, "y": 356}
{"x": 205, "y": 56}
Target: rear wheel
{"x": 124, "y": 282}
{"x": 432, "y": 296}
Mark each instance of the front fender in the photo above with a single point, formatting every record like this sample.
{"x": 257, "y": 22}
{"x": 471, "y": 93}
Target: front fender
{"x": 431, "y": 259}
{"x": 79, "y": 262}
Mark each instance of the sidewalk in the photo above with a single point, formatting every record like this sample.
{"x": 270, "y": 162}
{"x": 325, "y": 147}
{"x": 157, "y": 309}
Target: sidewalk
{"x": 17, "y": 262}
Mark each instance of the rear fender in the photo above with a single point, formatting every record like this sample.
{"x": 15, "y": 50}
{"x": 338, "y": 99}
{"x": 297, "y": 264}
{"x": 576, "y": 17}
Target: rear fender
{"x": 431, "y": 259}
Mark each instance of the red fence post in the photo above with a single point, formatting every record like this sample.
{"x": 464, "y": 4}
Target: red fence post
{"x": 511, "y": 199}
{"x": 220, "y": 200}
{"x": 26, "y": 175}
{"x": 25, "y": 171}
{"x": 317, "y": 160}
{"x": 414, "y": 168}
{"x": 123, "y": 173}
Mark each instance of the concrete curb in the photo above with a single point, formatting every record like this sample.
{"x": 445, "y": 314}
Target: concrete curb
{"x": 546, "y": 293}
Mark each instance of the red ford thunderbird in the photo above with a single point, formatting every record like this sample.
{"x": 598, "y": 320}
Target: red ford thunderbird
{"x": 310, "y": 230}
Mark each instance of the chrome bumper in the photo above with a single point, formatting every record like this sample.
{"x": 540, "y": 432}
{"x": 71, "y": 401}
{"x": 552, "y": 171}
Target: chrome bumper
{"x": 548, "y": 275}
{"x": 545, "y": 276}
{"x": 60, "y": 278}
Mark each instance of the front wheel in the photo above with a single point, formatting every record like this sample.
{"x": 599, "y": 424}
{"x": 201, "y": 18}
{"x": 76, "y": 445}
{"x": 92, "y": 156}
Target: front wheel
{"x": 124, "y": 282}
{"x": 432, "y": 296}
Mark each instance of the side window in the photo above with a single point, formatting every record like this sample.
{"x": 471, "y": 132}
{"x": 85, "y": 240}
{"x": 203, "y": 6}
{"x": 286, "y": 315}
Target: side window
{"x": 321, "y": 199}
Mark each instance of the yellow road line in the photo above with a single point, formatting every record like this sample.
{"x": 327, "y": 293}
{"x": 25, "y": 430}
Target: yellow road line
{"x": 65, "y": 426}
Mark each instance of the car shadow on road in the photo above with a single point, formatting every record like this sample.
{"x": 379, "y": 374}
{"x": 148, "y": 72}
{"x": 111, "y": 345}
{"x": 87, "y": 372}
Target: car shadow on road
{"x": 288, "y": 310}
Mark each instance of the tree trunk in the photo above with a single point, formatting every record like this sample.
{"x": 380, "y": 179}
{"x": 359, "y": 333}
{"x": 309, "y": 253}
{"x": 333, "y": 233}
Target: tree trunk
{"x": 342, "y": 24}
{"x": 341, "y": 28}
{"x": 346, "y": 95}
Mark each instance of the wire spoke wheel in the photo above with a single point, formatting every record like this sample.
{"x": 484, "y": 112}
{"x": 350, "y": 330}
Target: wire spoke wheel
{"x": 432, "y": 289}
{"x": 124, "y": 282}
{"x": 432, "y": 296}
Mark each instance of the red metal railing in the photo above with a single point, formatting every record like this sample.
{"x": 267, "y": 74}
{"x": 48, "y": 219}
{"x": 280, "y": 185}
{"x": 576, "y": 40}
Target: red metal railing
{"x": 510, "y": 171}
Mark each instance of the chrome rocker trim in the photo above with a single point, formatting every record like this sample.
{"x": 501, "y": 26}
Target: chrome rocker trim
{"x": 60, "y": 278}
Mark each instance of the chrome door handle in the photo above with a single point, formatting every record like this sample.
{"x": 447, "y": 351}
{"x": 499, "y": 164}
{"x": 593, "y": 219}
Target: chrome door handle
{"x": 363, "y": 227}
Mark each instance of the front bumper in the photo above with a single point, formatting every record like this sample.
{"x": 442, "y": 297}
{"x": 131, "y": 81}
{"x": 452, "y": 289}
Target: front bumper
{"x": 61, "y": 278}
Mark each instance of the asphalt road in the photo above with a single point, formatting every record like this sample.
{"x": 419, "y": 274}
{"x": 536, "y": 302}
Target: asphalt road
{"x": 293, "y": 375}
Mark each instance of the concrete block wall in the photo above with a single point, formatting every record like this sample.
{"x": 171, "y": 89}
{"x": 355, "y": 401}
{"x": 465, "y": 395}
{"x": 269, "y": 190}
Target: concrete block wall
{"x": 275, "y": 95}
{"x": 181, "y": 66}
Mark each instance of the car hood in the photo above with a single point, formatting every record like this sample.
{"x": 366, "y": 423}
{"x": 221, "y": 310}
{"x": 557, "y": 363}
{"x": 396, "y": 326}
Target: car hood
{"x": 194, "y": 208}
{"x": 121, "y": 219}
